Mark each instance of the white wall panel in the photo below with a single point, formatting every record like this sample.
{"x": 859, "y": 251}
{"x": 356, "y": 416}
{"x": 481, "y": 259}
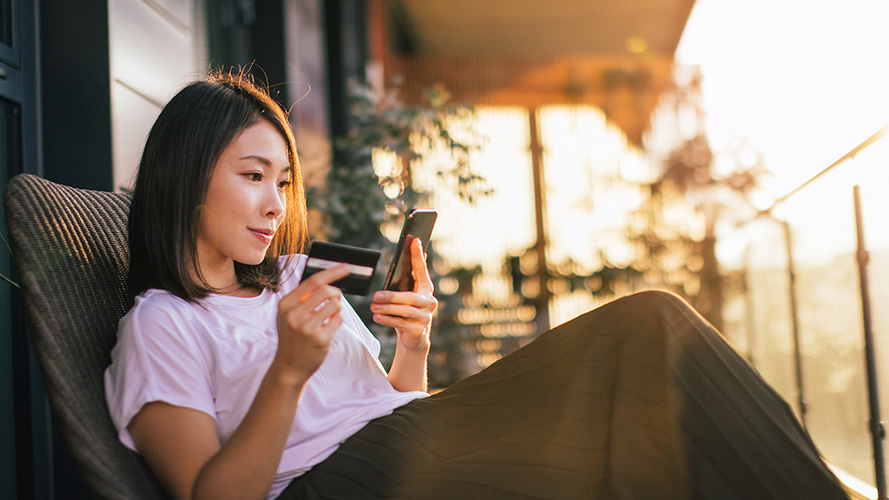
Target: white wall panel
{"x": 155, "y": 48}
{"x": 148, "y": 53}
{"x": 181, "y": 10}
{"x": 131, "y": 116}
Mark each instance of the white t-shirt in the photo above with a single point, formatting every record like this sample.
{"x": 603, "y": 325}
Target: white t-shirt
{"x": 213, "y": 359}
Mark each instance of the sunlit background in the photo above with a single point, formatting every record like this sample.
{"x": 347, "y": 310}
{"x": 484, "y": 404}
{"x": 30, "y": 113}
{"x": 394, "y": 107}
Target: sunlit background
{"x": 800, "y": 82}
{"x": 801, "y": 85}
{"x": 765, "y": 96}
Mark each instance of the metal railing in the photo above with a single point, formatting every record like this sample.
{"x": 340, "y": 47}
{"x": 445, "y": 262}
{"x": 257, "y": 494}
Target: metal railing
{"x": 812, "y": 310}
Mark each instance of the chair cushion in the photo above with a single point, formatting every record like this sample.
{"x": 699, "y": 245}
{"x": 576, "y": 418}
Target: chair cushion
{"x": 70, "y": 252}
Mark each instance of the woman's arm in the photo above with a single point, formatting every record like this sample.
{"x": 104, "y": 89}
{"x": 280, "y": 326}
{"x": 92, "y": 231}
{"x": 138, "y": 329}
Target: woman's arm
{"x": 410, "y": 313}
{"x": 182, "y": 445}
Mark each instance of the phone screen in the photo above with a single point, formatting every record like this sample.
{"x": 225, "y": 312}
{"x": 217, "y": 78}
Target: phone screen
{"x": 417, "y": 224}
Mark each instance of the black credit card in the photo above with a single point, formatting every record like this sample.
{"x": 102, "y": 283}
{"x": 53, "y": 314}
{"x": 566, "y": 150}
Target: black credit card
{"x": 363, "y": 262}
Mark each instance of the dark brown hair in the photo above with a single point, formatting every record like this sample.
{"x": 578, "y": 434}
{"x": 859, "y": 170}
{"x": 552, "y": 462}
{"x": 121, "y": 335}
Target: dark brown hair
{"x": 182, "y": 149}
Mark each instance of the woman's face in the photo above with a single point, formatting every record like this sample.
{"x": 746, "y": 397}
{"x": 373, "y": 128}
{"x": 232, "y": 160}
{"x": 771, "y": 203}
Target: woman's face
{"x": 244, "y": 204}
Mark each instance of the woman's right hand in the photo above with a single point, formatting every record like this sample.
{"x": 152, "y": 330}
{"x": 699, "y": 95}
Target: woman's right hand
{"x": 308, "y": 318}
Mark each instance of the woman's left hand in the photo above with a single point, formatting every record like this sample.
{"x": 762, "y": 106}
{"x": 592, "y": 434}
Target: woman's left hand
{"x": 409, "y": 313}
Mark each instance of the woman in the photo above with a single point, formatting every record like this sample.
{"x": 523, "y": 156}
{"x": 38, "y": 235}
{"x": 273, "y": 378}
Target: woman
{"x": 234, "y": 379}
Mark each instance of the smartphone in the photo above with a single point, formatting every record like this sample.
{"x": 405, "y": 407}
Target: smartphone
{"x": 417, "y": 224}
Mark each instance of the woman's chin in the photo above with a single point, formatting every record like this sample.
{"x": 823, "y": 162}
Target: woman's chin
{"x": 252, "y": 261}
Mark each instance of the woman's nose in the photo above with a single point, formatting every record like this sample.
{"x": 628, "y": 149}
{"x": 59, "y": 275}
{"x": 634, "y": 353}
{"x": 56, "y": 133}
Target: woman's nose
{"x": 276, "y": 202}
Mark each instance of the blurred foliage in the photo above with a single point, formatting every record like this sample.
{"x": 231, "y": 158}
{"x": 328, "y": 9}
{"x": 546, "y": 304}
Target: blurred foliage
{"x": 688, "y": 167}
{"x": 358, "y": 201}
{"x": 688, "y": 171}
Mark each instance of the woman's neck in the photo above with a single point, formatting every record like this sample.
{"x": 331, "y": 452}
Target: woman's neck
{"x": 241, "y": 291}
{"x": 224, "y": 281}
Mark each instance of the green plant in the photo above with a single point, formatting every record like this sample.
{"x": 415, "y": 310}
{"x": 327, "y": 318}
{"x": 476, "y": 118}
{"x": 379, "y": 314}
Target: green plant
{"x": 359, "y": 199}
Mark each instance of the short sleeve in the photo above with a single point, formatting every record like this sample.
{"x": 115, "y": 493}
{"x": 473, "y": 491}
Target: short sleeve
{"x": 156, "y": 358}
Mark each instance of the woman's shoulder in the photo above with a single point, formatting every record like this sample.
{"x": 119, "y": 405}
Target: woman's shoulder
{"x": 158, "y": 322}
{"x": 156, "y": 307}
{"x": 155, "y": 299}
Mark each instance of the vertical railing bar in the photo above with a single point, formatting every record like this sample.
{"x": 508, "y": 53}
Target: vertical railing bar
{"x": 794, "y": 324}
{"x": 749, "y": 315}
{"x": 536, "y": 149}
{"x": 876, "y": 425}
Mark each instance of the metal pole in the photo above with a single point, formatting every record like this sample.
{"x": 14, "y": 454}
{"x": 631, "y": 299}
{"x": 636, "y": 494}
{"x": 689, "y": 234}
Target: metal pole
{"x": 878, "y": 432}
{"x": 536, "y": 147}
{"x": 749, "y": 308}
{"x": 794, "y": 324}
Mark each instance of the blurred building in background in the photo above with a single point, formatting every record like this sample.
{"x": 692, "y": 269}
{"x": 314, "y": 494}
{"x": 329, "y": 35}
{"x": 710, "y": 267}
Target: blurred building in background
{"x": 578, "y": 106}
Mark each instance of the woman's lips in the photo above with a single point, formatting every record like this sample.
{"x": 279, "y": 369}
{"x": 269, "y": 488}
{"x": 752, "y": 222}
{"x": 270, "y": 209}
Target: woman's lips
{"x": 263, "y": 235}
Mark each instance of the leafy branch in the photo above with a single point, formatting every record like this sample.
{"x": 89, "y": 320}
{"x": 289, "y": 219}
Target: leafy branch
{"x": 371, "y": 181}
{"x": 359, "y": 198}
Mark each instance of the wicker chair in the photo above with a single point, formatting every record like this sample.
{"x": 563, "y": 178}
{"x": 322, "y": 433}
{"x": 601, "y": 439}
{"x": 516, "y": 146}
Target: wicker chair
{"x": 70, "y": 252}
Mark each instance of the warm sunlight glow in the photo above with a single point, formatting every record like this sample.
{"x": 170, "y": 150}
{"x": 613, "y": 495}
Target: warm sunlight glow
{"x": 480, "y": 234}
{"x": 592, "y": 181}
{"x": 588, "y": 193}
{"x": 796, "y": 86}
{"x": 801, "y": 82}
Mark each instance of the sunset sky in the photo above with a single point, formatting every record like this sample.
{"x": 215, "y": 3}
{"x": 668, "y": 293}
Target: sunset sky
{"x": 803, "y": 82}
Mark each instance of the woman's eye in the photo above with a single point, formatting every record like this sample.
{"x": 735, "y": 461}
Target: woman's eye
{"x": 254, "y": 176}
{"x": 284, "y": 184}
